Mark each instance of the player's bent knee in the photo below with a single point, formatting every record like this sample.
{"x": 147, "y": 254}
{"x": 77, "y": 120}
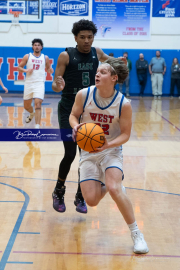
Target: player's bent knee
{"x": 91, "y": 202}
{"x": 114, "y": 190}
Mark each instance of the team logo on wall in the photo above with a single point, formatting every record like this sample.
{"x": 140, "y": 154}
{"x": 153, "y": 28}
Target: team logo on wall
{"x": 104, "y": 29}
{"x": 74, "y": 8}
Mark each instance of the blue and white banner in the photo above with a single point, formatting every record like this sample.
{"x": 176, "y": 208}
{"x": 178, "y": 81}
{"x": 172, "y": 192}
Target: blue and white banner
{"x": 35, "y": 135}
{"x": 166, "y": 8}
{"x": 50, "y": 7}
{"x": 122, "y": 19}
{"x": 74, "y": 7}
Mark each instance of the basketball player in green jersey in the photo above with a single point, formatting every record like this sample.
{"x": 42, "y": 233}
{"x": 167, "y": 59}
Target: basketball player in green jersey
{"x": 75, "y": 70}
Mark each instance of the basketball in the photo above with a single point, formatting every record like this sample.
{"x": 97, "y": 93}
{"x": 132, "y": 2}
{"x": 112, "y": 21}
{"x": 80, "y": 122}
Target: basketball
{"x": 89, "y": 137}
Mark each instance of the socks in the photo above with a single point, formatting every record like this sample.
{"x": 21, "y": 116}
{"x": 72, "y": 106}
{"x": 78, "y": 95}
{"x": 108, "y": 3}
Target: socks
{"x": 31, "y": 114}
{"x": 37, "y": 126}
{"x": 60, "y": 183}
{"x": 133, "y": 228}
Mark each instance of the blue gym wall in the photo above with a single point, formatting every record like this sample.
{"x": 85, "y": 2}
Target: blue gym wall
{"x": 19, "y": 52}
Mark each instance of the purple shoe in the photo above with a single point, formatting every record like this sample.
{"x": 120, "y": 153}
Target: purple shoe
{"x": 80, "y": 204}
{"x": 58, "y": 199}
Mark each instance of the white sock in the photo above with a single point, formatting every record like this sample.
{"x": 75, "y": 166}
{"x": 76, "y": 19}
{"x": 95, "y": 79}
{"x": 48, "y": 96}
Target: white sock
{"x": 37, "y": 126}
{"x": 31, "y": 114}
{"x": 133, "y": 228}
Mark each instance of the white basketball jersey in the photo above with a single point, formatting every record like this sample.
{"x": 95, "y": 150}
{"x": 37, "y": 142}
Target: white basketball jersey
{"x": 38, "y": 65}
{"x": 107, "y": 117}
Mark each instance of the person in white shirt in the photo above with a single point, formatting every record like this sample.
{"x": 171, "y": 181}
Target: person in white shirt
{"x": 4, "y": 88}
{"x": 101, "y": 171}
{"x": 34, "y": 87}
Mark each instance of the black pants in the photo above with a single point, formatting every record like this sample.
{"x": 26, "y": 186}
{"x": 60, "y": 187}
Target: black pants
{"x": 69, "y": 156}
{"x": 142, "y": 78}
{"x": 173, "y": 83}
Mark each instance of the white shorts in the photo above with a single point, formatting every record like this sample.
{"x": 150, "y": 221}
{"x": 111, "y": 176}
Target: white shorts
{"x": 93, "y": 166}
{"x": 34, "y": 90}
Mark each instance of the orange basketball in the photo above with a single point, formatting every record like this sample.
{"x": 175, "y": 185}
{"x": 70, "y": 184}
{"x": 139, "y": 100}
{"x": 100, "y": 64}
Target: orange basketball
{"x": 89, "y": 137}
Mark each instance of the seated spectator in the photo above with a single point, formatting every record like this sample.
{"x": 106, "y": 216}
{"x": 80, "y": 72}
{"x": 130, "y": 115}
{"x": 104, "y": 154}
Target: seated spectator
{"x": 142, "y": 67}
{"x": 175, "y": 77}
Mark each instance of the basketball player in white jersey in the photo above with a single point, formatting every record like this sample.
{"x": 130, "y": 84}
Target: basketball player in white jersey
{"x": 5, "y": 89}
{"x": 102, "y": 170}
{"x": 35, "y": 63}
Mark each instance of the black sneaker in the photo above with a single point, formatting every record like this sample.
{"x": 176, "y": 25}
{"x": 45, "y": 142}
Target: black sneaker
{"x": 58, "y": 199}
{"x": 80, "y": 204}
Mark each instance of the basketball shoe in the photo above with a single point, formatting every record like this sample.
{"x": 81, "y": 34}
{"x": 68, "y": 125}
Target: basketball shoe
{"x": 140, "y": 245}
{"x": 58, "y": 199}
{"x": 80, "y": 204}
{"x": 29, "y": 117}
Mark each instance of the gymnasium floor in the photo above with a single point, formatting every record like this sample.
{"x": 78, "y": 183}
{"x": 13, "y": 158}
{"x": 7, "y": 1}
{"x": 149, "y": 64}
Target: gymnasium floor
{"x": 35, "y": 237}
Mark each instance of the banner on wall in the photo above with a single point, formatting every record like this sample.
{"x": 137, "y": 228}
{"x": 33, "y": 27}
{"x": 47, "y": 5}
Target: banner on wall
{"x": 74, "y": 7}
{"x": 167, "y": 9}
{"x": 122, "y": 19}
{"x": 50, "y": 7}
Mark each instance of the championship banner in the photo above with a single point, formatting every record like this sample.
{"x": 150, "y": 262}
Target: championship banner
{"x": 122, "y": 19}
{"x": 167, "y": 9}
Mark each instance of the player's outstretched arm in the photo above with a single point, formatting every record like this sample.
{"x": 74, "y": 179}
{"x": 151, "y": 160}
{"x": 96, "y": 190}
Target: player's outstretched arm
{"x": 48, "y": 65}
{"x": 3, "y": 87}
{"x": 59, "y": 83}
{"x": 103, "y": 56}
{"x": 76, "y": 112}
{"x": 23, "y": 63}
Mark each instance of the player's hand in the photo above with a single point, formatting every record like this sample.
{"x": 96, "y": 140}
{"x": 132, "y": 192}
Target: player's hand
{"x": 29, "y": 71}
{"x": 51, "y": 70}
{"x": 0, "y": 100}
{"x": 60, "y": 83}
{"x": 5, "y": 89}
{"x": 123, "y": 59}
{"x": 100, "y": 149}
{"x": 74, "y": 131}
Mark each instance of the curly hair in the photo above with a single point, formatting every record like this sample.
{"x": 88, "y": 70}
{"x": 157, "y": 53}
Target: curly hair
{"x": 117, "y": 67}
{"x": 37, "y": 40}
{"x": 84, "y": 25}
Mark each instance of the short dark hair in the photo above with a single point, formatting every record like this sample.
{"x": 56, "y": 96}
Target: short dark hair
{"x": 84, "y": 25}
{"x": 37, "y": 40}
{"x": 125, "y": 53}
{"x": 111, "y": 54}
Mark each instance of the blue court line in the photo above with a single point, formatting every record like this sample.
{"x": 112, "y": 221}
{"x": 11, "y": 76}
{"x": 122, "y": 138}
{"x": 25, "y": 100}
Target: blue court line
{"x": 29, "y": 232}
{"x": 35, "y": 211}
{"x": 22, "y": 262}
{"x": 149, "y": 190}
{"x": 6, "y": 254}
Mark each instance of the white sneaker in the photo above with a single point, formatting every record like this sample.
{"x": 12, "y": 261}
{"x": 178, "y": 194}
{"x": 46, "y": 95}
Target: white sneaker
{"x": 140, "y": 245}
{"x": 155, "y": 97}
{"x": 159, "y": 97}
{"x": 29, "y": 118}
{"x": 127, "y": 95}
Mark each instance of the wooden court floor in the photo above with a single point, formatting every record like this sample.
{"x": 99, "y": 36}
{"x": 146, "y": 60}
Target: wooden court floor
{"x": 35, "y": 237}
